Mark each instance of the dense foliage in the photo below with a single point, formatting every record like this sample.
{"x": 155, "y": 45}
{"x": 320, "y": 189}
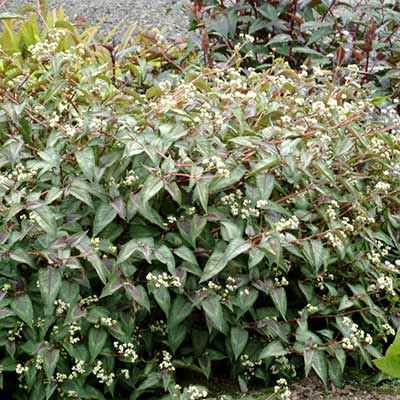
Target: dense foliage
{"x": 330, "y": 33}
{"x": 159, "y": 218}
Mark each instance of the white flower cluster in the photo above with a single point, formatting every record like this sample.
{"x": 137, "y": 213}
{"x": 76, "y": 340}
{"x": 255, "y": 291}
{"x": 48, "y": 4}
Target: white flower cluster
{"x": 70, "y": 130}
{"x": 392, "y": 267}
{"x": 311, "y": 309}
{"x": 60, "y": 377}
{"x": 248, "y": 365}
{"x": 46, "y": 50}
{"x": 383, "y": 283}
{"x": 239, "y": 206}
{"x": 95, "y": 242}
{"x": 40, "y": 322}
{"x": 382, "y": 187}
{"x": 357, "y": 335}
{"x": 281, "y": 389}
{"x": 108, "y": 322}
{"x": 170, "y": 221}
{"x": 100, "y": 374}
{"x": 16, "y": 332}
{"x": 164, "y": 280}
{"x": 166, "y": 363}
{"x": 287, "y": 224}
{"x": 333, "y": 239}
{"x": 77, "y": 369}
{"x": 20, "y": 369}
{"x": 19, "y": 174}
{"x": 61, "y": 306}
{"x": 159, "y": 327}
{"x": 39, "y": 363}
{"x": 42, "y": 50}
{"x": 130, "y": 179}
{"x": 88, "y": 301}
{"x": 283, "y": 364}
{"x": 218, "y": 164}
{"x": 196, "y": 393}
{"x": 388, "y": 330}
{"x": 281, "y": 282}
{"x": 247, "y": 37}
{"x": 127, "y": 351}
{"x": 231, "y": 286}
{"x": 376, "y": 255}
{"x": 73, "y": 329}
{"x": 125, "y": 373}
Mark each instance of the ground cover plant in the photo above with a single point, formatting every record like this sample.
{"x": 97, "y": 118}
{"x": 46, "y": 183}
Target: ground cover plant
{"x": 329, "y": 33}
{"x": 160, "y": 219}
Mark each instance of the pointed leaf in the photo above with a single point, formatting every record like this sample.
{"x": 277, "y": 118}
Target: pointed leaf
{"x": 97, "y": 340}
{"x": 219, "y": 260}
{"x": 239, "y": 339}
{"x": 105, "y": 214}
{"x": 22, "y": 306}
{"x": 49, "y": 283}
{"x": 213, "y": 309}
{"x": 87, "y": 162}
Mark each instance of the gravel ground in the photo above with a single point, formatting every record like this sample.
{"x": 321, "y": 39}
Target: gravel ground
{"x": 167, "y": 15}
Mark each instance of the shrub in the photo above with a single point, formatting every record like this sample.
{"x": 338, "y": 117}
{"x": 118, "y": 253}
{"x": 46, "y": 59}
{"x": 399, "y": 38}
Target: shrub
{"x": 156, "y": 221}
{"x": 327, "y": 32}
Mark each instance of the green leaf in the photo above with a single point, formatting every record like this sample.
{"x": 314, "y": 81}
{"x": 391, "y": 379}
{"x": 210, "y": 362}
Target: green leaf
{"x": 154, "y": 379}
{"x": 179, "y": 311}
{"x": 151, "y": 187}
{"x": 213, "y": 309}
{"x": 308, "y": 359}
{"x": 389, "y": 365}
{"x": 273, "y": 349}
{"x": 50, "y": 361}
{"x": 81, "y": 191}
{"x": 219, "y": 259}
{"x": 89, "y": 252}
{"x": 5, "y": 312}
{"x": 320, "y": 366}
{"x": 191, "y": 229}
{"x": 186, "y": 254}
{"x": 219, "y": 183}
{"x": 49, "y": 283}
{"x": 105, "y": 214}
{"x": 46, "y": 220}
{"x": 144, "y": 246}
{"x": 278, "y": 296}
{"x": 139, "y": 294}
{"x": 176, "y": 336}
{"x": 265, "y": 184}
{"x": 239, "y": 339}
{"x": 163, "y": 298}
{"x": 200, "y": 194}
{"x": 266, "y": 163}
{"x": 22, "y": 306}
{"x": 280, "y": 38}
{"x": 97, "y": 340}
{"x": 87, "y": 162}
{"x": 165, "y": 256}
{"x": 173, "y": 189}
{"x": 307, "y": 50}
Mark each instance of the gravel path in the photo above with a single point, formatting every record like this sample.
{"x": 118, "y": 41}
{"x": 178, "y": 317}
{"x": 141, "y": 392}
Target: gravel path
{"x": 167, "y": 15}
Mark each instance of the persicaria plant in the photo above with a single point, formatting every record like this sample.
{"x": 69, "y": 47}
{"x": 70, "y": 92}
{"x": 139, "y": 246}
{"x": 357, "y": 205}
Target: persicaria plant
{"x": 228, "y": 220}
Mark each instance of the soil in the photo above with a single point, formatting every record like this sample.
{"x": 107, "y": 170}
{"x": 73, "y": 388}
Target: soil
{"x": 311, "y": 389}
